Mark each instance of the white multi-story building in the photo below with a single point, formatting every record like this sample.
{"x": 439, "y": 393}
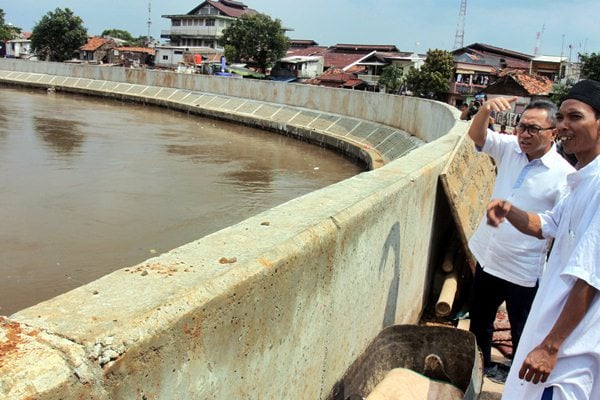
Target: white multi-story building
{"x": 203, "y": 26}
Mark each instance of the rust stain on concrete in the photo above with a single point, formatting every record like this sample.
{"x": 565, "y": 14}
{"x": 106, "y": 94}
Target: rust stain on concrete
{"x": 14, "y": 334}
{"x": 225, "y": 260}
{"x": 265, "y": 263}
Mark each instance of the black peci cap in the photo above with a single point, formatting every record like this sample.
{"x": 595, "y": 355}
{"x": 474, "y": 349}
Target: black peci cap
{"x": 587, "y": 91}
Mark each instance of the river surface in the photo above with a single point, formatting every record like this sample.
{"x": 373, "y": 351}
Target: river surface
{"x": 88, "y": 186}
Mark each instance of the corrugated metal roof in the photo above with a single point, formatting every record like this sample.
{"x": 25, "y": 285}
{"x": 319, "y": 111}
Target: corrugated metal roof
{"x": 230, "y": 11}
{"x": 306, "y": 51}
{"x": 366, "y": 47}
{"x": 228, "y": 8}
{"x": 550, "y": 59}
{"x": 146, "y": 50}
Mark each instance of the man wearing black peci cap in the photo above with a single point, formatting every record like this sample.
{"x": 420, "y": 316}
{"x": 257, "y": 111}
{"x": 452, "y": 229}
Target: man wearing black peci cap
{"x": 559, "y": 354}
{"x": 532, "y": 175}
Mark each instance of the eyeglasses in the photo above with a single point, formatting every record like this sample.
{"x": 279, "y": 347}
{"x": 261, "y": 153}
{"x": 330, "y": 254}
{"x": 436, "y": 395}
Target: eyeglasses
{"x": 532, "y": 129}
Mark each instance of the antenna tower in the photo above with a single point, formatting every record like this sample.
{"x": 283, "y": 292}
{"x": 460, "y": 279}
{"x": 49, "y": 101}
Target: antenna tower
{"x": 460, "y": 26}
{"x": 538, "y": 41}
{"x": 149, "y": 20}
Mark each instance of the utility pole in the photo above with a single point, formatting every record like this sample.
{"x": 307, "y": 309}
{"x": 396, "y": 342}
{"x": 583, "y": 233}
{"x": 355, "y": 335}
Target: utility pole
{"x": 561, "y": 73}
{"x": 149, "y": 20}
{"x": 460, "y": 26}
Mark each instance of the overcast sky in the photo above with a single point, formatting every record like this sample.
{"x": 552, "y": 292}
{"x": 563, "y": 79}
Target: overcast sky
{"x": 409, "y": 24}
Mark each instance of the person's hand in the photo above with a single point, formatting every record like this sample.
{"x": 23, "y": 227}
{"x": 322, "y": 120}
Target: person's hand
{"x": 499, "y": 104}
{"x": 497, "y": 210}
{"x": 538, "y": 364}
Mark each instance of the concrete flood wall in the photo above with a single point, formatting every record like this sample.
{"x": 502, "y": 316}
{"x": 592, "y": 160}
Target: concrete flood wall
{"x": 275, "y": 307}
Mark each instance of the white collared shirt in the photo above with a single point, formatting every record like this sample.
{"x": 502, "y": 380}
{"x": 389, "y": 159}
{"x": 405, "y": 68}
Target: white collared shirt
{"x": 534, "y": 185}
{"x": 575, "y": 224}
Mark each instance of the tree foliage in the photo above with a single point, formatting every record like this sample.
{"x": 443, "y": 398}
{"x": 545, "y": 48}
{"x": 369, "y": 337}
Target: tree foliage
{"x": 590, "y": 65}
{"x": 392, "y": 78}
{"x": 119, "y": 34}
{"x": 433, "y": 79}
{"x": 255, "y": 39}
{"x": 7, "y": 32}
{"x": 58, "y": 34}
{"x": 560, "y": 91}
{"x": 127, "y": 37}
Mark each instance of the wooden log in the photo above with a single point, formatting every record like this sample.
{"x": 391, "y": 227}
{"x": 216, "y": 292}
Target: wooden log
{"x": 443, "y": 307}
{"x": 448, "y": 265}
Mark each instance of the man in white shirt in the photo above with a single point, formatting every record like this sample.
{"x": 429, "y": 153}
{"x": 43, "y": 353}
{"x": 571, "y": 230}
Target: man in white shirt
{"x": 559, "y": 354}
{"x": 532, "y": 175}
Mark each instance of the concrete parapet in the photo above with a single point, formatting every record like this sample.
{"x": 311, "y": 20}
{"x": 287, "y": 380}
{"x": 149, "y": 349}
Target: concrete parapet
{"x": 277, "y": 306}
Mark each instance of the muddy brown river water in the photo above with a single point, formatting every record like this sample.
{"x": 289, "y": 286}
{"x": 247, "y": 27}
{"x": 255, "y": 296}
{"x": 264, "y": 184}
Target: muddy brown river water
{"x": 88, "y": 186}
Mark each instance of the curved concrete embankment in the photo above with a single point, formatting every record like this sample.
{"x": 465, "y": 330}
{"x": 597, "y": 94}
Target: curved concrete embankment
{"x": 275, "y": 307}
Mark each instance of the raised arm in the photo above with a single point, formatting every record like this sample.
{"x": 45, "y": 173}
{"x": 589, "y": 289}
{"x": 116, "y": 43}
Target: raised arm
{"x": 526, "y": 222}
{"x": 540, "y": 362}
{"x": 479, "y": 123}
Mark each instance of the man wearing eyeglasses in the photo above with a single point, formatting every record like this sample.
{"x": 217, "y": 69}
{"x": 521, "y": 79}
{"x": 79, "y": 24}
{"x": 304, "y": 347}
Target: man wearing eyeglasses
{"x": 533, "y": 175}
{"x": 559, "y": 356}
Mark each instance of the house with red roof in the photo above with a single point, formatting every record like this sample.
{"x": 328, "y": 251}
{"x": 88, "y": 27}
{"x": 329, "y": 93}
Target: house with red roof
{"x": 96, "y": 49}
{"x": 525, "y": 86}
{"x": 355, "y": 66}
{"x": 478, "y": 65}
{"x": 203, "y": 25}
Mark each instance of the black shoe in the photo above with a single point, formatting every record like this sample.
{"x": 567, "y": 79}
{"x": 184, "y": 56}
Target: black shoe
{"x": 496, "y": 374}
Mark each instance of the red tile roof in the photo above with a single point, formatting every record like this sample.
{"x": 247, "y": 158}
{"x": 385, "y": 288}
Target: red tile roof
{"x": 353, "y": 83}
{"x": 94, "y": 43}
{"x": 534, "y": 84}
{"x": 335, "y": 77}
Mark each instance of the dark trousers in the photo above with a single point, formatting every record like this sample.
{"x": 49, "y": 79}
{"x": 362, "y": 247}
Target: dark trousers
{"x": 548, "y": 393}
{"x": 487, "y": 295}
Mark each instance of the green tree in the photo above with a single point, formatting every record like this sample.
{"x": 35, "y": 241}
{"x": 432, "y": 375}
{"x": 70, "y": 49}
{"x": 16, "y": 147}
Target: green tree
{"x": 590, "y": 65}
{"x": 57, "y": 35}
{"x": 119, "y": 34}
{"x": 560, "y": 90}
{"x": 392, "y": 78}
{"x": 255, "y": 39}
{"x": 7, "y": 31}
{"x": 433, "y": 79}
{"x": 128, "y": 39}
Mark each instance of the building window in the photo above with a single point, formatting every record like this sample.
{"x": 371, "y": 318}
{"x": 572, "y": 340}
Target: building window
{"x": 176, "y": 22}
{"x": 210, "y": 22}
{"x": 165, "y": 58}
